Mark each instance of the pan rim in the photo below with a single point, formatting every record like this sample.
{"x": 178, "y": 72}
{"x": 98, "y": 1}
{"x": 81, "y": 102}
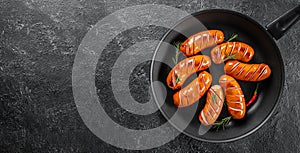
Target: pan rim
{"x": 240, "y": 15}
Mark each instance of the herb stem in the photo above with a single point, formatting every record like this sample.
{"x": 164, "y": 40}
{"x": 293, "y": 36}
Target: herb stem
{"x": 230, "y": 57}
{"x": 177, "y": 79}
{"x": 232, "y": 37}
{"x": 223, "y": 123}
{"x": 177, "y": 46}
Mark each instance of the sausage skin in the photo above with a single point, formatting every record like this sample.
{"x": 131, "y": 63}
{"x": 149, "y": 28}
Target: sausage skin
{"x": 232, "y": 50}
{"x": 193, "y": 91}
{"x": 185, "y": 68}
{"x": 234, "y": 96}
{"x": 247, "y": 72}
{"x": 200, "y": 41}
{"x": 213, "y": 106}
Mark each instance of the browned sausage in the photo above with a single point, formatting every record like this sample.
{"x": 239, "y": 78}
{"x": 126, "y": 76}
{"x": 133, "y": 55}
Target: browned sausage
{"x": 213, "y": 106}
{"x": 199, "y": 41}
{"x": 232, "y": 50}
{"x": 247, "y": 72}
{"x": 234, "y": 96}
{"x": 185, "y": 68}
{"x": 193, "y": 91}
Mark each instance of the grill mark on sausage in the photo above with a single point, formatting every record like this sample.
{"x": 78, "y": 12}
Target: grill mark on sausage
{"x": 232, "y": 49}
{"x": 208, "y": 39}
{"x": 193, "y": 65}
{"x": 202, "y": 41}
{"x": 215, "y": 37}
{"x": 204, "y": 118}
{"x": 226, "y": 81}
{"x": 242, "y": 69}
{"x": 236, "y": 109}
{"x": 262, "y": 72}
{"x": 202, "y": 79}
{"x": 186, "y": 97}
{"x": 180, "y": 98}
{"x": 201, "y": 63}
{"x": 194, "y": 96}
{"x": 245, "y": 51}
{"x": 225, "y": 53}
{"x": 254, "y": 72}
{"x": 248, "y": 71}
{"x": 181, "y": 65}
{"x": 214, "y": 92}
{"x": 219, "y": 53}
{"x": 174, "y": 76}
{"x": 204, "y": 44}
{"x": 188, "y": 63}
{"x": 198, "y": 87}
{"x": 193, "y": 42}
{"x": 191, "y": 46}
{"x": 232, "y": 88}
{"x": 208, "y": 112}
{"x": 234, "y": 67}
{"x": 239, "y": 95}
{"x": 211, "y": 107}
{"x": 235, "y": 102}
{"x": 197, "y": 44}
{"x": 187, "y": 48}
{"x": 240, "y": 47}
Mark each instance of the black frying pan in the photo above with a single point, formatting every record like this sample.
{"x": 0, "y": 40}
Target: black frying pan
{"x": 262, "y": 39}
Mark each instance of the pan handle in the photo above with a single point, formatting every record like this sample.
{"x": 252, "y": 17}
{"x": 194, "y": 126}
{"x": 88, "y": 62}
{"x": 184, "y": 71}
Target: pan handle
{"x": 281, "y": 25}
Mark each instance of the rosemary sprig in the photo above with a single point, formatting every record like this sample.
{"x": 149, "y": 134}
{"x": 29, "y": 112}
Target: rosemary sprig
{"x": 232, "y": 37}
{"x": 225, "y": 121}
{"x": 177, "y": 46}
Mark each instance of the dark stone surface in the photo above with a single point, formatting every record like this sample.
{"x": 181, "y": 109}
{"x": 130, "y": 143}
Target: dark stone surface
{"x": 38, "y": 43}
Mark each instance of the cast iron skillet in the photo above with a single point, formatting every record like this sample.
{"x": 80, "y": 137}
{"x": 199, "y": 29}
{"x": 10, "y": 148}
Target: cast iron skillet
{"x": 262, "y": 39}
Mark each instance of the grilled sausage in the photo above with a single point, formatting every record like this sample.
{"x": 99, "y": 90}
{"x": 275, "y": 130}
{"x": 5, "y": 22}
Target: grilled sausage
{"x": 213, "y": 106}
{"x": 178, "y": 75}
{"x": 247, "y": 72}
{"x": 199, "y": 41}
{"x": 234, "y": 96}
{"x": 232, "y": 50}
{"x": 193, "y": 91}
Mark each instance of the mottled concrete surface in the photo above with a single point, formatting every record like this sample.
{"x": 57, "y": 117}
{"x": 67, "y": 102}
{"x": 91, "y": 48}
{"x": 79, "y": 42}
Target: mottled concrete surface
{"x": 38, "y": 44}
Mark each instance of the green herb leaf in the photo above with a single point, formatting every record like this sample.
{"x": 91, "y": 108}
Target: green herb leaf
{"x": 214, "y": 99}
{"x": 232, "y": 37}
{"x": 177, "y": 79}
{"x": 230, "y": 57}
{"x": 223, "y": 123}
{"x": 177, "y": 46}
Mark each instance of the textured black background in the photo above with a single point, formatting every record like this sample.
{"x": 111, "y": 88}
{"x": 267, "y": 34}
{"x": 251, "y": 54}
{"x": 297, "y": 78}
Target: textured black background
{"x": 38, "y": 43}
